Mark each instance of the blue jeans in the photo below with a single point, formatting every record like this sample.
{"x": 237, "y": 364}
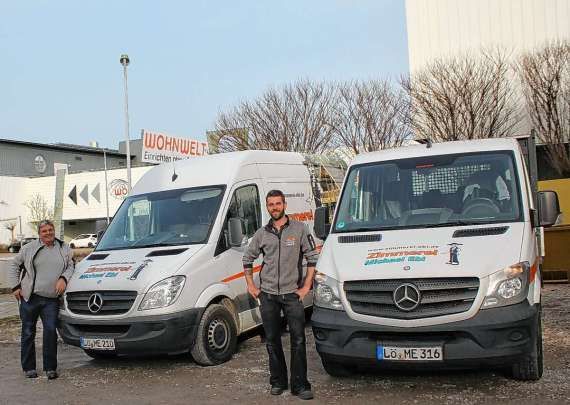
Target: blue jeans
{"x": 47, "y": 309}
{"x": 292, "y": 307}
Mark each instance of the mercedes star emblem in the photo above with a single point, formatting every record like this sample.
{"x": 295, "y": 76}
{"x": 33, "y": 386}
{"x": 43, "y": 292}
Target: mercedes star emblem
{"x": 407, "y": 297}
{"x": 95, "y": 303}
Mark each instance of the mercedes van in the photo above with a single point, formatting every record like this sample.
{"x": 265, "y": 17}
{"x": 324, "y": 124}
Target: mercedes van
{"x": 432, "y": 259}
{"x": 166, "y": 276}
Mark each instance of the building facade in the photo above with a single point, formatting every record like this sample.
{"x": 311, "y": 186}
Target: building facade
{"x": 29, "y": 159}
{"x": 440, "y": 28}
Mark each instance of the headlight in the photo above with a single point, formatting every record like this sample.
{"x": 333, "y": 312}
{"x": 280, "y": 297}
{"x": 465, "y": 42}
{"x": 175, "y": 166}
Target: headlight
{"x": 163, "y": 293}
{"x": 325, "y": 293}
{"x": 508, "y": 286}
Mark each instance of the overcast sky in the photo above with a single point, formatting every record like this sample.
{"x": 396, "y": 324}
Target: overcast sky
{"x": 61, "y": 81}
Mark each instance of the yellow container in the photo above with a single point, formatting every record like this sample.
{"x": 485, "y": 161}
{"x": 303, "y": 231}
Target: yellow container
{"x": 557, "y": 238}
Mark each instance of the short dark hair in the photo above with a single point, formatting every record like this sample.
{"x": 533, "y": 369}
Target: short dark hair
{"x": 275, "y": 193}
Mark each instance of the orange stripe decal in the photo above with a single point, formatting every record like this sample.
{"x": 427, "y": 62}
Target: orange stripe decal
{"x": 533, "y": 271}
{"x": 241, "y": 274}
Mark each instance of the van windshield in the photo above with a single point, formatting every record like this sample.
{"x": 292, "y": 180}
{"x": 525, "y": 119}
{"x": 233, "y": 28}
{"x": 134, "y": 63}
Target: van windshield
{"x": 166, "y": 218}
{"x": 431, "y": 191}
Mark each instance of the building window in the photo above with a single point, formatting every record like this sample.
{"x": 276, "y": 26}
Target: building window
{"x": 121, "y": 163}
{"x": 40, "y": 164}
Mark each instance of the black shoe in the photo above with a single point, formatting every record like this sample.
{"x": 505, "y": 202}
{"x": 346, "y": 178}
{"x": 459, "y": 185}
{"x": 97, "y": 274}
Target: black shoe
{"x": 31, "y": 374}
{"x": 277, "y": 390}
{"x": 305, "y": 394}
{"x": 52, "y": 374}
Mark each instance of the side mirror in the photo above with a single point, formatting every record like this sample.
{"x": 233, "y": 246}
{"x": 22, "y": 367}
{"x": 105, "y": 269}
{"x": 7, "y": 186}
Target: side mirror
{"x": 235, "y": 232}
{"x": 322, "y": 225}
{"x": 101, "y": 233}
{"x": 548, "y": 208}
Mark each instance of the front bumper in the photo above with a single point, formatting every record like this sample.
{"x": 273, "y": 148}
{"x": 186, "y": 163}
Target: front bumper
{"x": 492, "y": 337}
{"x": 143, "y": 335}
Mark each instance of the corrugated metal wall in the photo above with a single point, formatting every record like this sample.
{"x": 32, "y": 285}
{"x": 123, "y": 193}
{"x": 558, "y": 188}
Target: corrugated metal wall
{"x": 445, "y": 27}
{"x": 18, "y": 160}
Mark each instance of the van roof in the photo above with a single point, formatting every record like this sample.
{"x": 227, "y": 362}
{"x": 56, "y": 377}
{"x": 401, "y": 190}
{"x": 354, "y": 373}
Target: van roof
{"x": 220, "y": 168}
{"x": 443, "y": 148}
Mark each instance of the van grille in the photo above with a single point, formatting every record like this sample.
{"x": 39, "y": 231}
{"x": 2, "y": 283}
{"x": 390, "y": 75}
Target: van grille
{"x": 438, "y": 297}
{"x": 114, "y": 302}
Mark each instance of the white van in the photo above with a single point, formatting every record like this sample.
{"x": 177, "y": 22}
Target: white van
{"x": 433, "y": 259}
{"x": 167, "y": 276}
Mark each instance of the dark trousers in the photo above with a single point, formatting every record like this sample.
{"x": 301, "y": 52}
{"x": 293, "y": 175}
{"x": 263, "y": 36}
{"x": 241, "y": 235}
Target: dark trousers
{"x": 292, "y": 307}
{"x": 47, "y": 309}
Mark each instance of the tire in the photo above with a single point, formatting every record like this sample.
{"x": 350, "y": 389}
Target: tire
{"x": 71, "y": 245}
{"x": 530, "y": 366}
{"x": 90, "y": 245}
{"x": 12, "y": 249}
{"x": 100, "y": 355}
{"x": 336, "y": 369}
{"x": 216, "y": 339}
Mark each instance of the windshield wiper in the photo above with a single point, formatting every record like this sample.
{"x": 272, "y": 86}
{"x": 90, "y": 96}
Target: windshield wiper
{"x": 148, "y": 245}
{"x": 454, "y": 223}
{"x": 362, "y": 229}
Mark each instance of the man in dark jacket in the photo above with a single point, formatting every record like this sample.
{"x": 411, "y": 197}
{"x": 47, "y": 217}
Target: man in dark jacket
{"x": 284, "y": 243}
{"x": 38, "y": 275}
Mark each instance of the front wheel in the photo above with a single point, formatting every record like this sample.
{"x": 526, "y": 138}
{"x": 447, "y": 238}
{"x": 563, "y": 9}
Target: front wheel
{"x": 71, "y": 245}
{"x": 530, "y": 366}
{"x": 12, "y": 249}
{"x": 216, "y": 339}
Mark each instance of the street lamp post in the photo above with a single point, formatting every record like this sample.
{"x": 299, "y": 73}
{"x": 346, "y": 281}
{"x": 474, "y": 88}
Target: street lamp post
{"x": 125, "y": 62}
{"x": 106, "y": 186}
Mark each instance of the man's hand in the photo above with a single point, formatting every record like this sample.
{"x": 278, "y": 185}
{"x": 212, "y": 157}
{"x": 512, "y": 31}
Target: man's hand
{"x": 301, "y": 292}
{"x": 18, "y": 294}
{"x": 253, "y": 290}
{"x": 60, "y": 286}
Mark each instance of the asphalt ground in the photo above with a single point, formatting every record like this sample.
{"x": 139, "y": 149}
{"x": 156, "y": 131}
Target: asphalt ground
{"x": 178, "y": 380}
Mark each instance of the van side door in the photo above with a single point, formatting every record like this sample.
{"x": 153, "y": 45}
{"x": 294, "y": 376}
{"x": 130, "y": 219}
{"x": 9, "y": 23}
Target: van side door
{"x": 245, "y": 204}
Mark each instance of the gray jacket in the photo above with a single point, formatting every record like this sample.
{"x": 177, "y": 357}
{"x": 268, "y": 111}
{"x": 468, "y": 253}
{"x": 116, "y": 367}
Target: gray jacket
{"x": 283, "y": 252}
{"x": 22, "y": 273}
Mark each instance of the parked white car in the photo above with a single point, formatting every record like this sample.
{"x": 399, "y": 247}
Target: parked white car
{"x": 83, "y": 241}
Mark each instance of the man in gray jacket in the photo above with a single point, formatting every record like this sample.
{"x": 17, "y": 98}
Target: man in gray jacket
{"x": 284, "y": 243}
{"x": 38, "y": 275}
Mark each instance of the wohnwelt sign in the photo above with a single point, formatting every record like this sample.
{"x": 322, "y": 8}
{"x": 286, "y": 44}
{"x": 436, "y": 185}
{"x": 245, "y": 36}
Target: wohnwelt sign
{"x": 161, "y": 148}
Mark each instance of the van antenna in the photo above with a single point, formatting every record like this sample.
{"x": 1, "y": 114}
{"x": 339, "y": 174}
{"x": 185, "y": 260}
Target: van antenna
{"x": 174, "y": 175}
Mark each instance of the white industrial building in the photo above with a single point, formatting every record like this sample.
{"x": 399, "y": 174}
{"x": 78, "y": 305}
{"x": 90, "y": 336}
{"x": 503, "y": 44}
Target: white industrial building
{"x": 439, "y": 28}
{"x": 447, "y": 28}
{"x": 84, "y": 200}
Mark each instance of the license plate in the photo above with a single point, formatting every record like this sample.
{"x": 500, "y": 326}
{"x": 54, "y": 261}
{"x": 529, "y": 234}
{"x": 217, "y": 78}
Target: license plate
{"x": 392, "y": 353}
{"x": 97, "y": 343}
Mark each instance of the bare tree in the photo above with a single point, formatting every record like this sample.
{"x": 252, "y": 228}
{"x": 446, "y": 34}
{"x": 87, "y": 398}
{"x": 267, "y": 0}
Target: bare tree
{"x": 296, "y": 117}
{"x": 371, "y": 115}
{"x": 545, "y": 78}
{"x": 11, "y": 226}
{"x": 463, "y": 97}
{"x": 38, "y": 209}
